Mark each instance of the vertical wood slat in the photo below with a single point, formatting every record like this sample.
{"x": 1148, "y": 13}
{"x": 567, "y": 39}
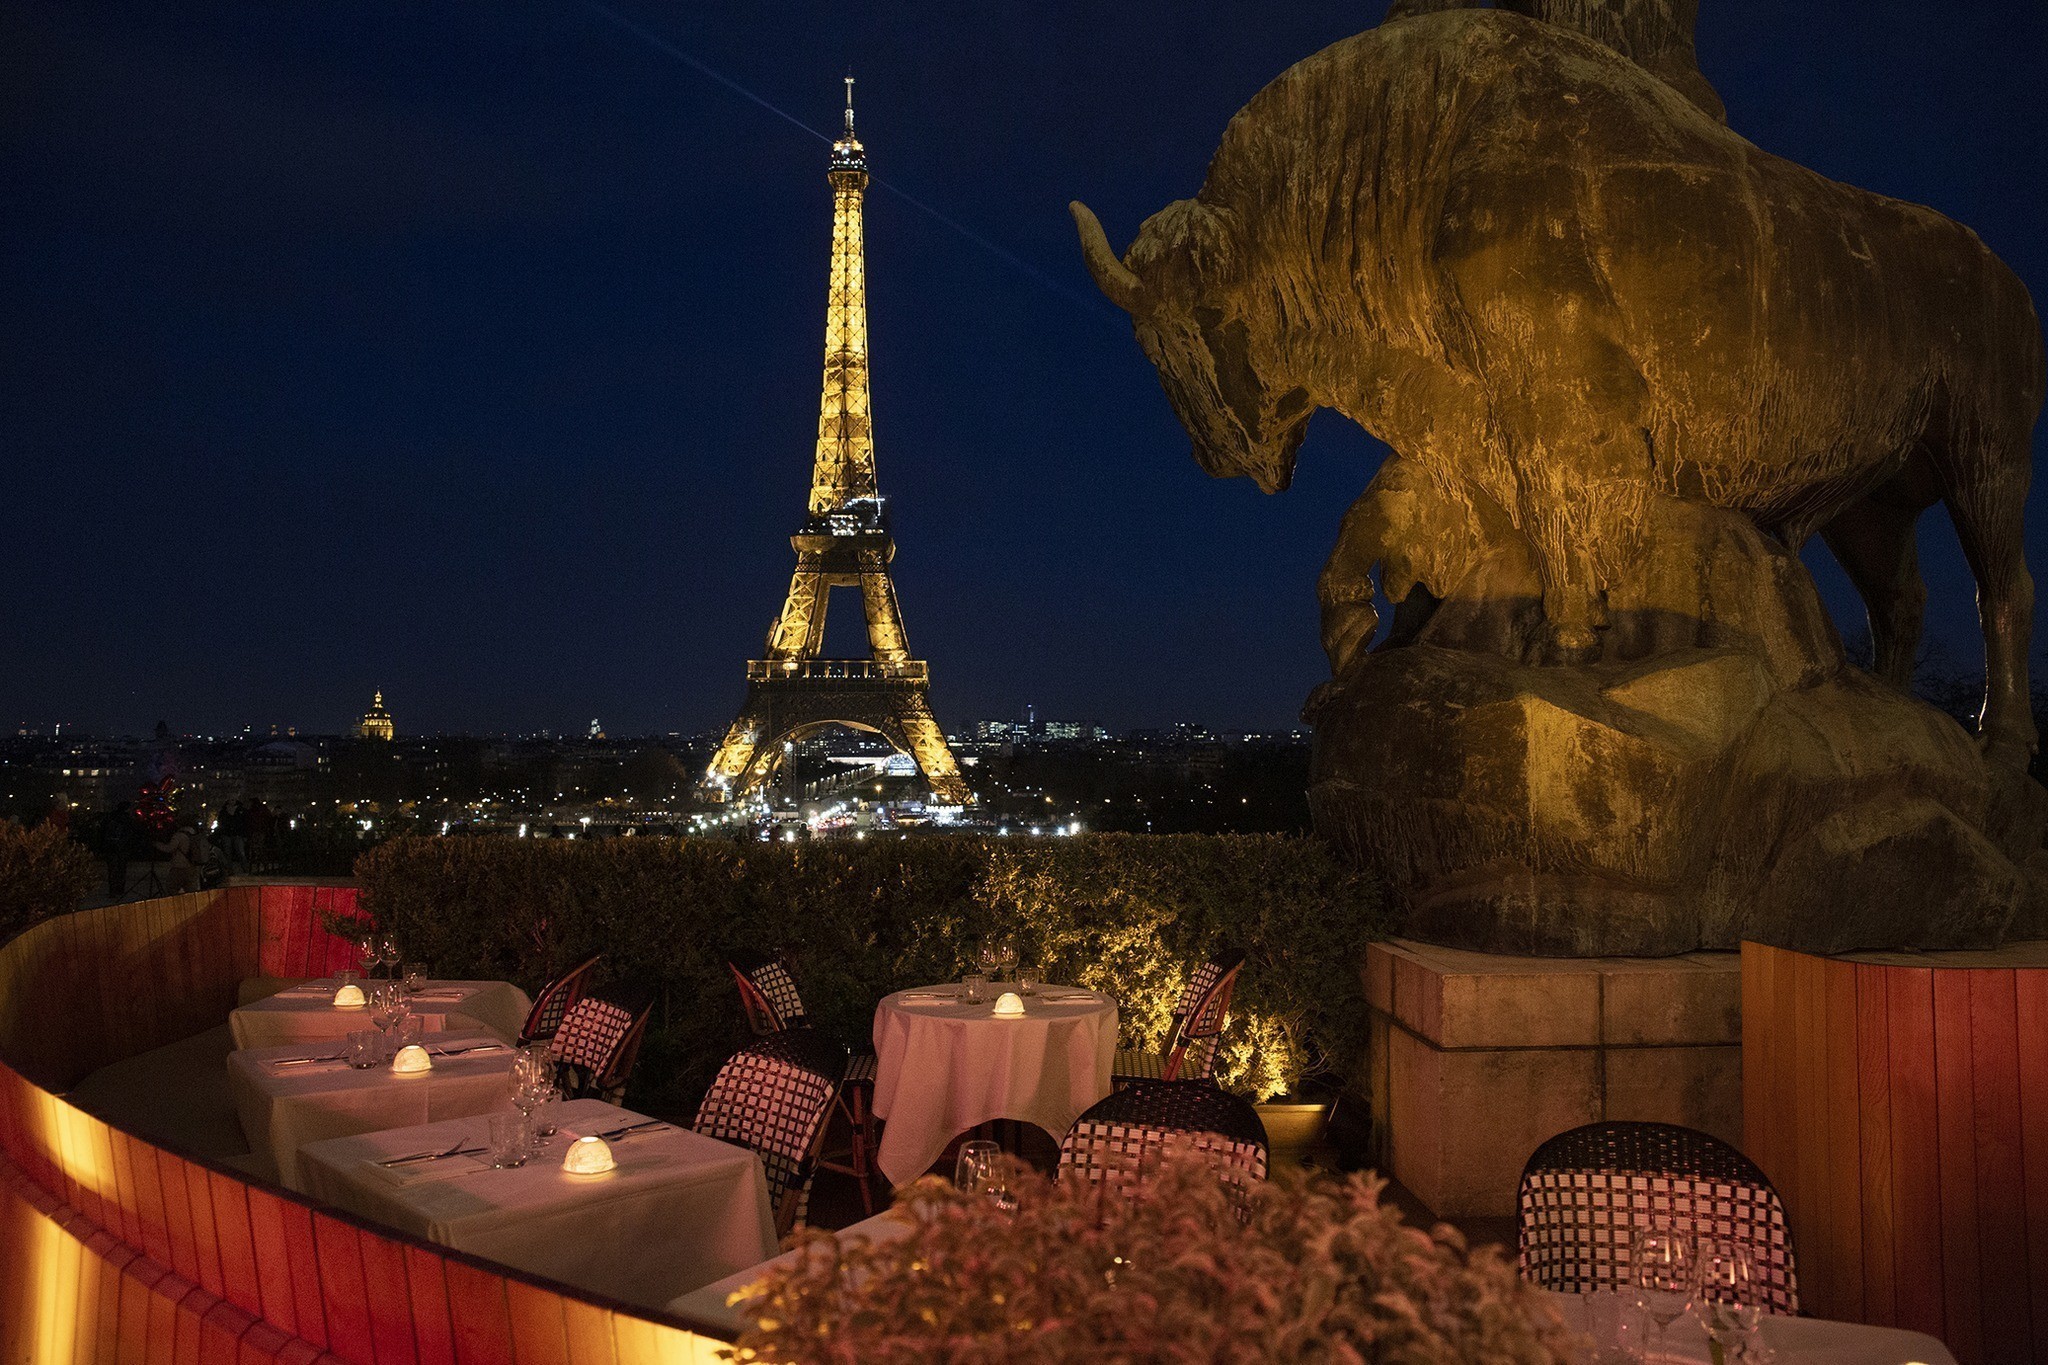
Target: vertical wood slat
{"x": 344, "y": 1293}
{"x": 1956, "y": 1164}
{"x": 1995, "y": 1120}
{"x": 2031, "y": 1009}
{"x": 481, "y": 1313}
{"x": 1842, "y": 1279}
{"x": 1916, "y": 1183}
{"x": 1874, "y": 1088}
{"x": 390, "y": 1300}
{"x": 433, "y": 1329}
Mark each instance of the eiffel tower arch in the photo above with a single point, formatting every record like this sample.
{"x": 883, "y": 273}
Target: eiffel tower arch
{"x": 844, "y": 543}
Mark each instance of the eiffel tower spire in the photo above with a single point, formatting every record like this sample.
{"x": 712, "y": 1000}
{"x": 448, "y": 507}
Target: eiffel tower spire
{"x": 844, "y": 542}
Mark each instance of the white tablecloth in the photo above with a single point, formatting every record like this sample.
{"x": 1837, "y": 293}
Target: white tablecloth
{"x": 944, "y": 1067}
{"x": 680, "y": 1211}
{"x": 307, "y": 1013}
{"x": 707, "y": 1305}
{"x": 284, "y": 1107}
{"x": 1795, "y": 1341}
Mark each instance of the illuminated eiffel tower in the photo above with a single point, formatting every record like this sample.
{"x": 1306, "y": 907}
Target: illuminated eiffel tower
{"x": 844, "y": 543}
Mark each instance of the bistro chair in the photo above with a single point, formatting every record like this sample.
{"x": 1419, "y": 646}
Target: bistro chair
{"x": 1196, "y": 1030}
{"x": 774, "y": 1096}
{"x": 769, "y": 995}
{"x": 556, "y": 999}
{"x": 1586, "y": 1192}
{"x": 595, "y": 1048}
{"x": 1114, "y": 1141}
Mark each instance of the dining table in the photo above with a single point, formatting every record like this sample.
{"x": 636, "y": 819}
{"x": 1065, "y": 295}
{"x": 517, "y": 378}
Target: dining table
{"x": 680, "y": 1210}
{"x": 287, "y": 1097}
{"x": 306, "y": 1013}
{"x": 945, "y": 1064}
{"x": 1618, "y": 1331}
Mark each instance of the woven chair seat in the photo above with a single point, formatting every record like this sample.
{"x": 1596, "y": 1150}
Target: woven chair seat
{"x": 860, "y": 1068}
{"x": 1137, "y": 1064}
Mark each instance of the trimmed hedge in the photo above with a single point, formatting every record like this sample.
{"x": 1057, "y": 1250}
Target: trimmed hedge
{"x": 42, "y": 873}
{"x": 1123, "y": 913}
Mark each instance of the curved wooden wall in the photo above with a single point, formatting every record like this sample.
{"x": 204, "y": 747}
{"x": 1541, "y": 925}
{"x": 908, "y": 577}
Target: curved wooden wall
{"x": 1900, "y": 1105}
{"x": 113, "y": 1248}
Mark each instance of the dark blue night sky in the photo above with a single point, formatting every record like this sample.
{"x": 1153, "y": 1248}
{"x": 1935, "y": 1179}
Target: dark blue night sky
{"x": 470, "y": 350}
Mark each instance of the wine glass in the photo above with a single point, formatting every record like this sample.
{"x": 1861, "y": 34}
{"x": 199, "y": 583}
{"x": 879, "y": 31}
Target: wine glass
{"x": 415, "y": 977}
{"x": 387, "y": 951}
{"x": 386, "y": 1007}
{"x": 988, "y": 960}
{"x": 976, "y": 1166}
{"x": 370, "y": 953}
{"x": 1727, "y": 1299}
{"x": 528, "y": 1094}
{"x": 1006, "y": 957}
{"x": 1662, "y": 1261}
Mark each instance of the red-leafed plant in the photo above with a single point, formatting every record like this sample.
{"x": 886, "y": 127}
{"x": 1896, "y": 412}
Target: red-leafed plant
{"x": 1303, "y": 1268}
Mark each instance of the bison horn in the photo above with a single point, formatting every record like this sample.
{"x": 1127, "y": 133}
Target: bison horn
{"x": 1112, "y": 276}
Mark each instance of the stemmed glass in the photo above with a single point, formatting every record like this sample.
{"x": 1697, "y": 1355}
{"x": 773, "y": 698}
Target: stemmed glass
{"x": 976, "y": 1165}
{"x": 415, "y": 977}
{"x": 528, "y": 1094}
{"x": 387, "y": 1007}
{"x": 1662, "y": 1260}
{"x": 387, "y": 951}
{"x": 370, "y": 952}
{"x": 988, "y": 960}
{"x": 1006, "y": 957}
{"x": 1727, "y": 1299}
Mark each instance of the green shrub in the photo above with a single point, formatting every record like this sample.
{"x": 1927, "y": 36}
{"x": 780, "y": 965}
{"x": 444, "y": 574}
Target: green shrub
{"x": 42, "y": 873}
{"x": 1123, "y": 913}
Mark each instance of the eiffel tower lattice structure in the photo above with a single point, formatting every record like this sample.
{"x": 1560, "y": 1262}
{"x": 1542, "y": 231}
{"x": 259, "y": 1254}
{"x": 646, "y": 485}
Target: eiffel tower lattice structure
{"x": 845, "y": 542}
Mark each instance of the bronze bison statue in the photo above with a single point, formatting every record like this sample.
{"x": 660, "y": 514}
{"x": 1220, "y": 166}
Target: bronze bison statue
{"x": 1563, "y": 291}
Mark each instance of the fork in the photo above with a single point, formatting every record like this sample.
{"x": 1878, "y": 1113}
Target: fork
{"x": 303, "y": 1061}
{"x": 614, "y": 1134}
{"x": 457, "y": 1150}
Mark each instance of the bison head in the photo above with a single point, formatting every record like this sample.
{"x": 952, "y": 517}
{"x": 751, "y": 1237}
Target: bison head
{"x": 1219, "y": 375}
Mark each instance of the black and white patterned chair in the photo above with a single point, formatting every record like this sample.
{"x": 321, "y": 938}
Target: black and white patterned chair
{"x": 557, "y": 997}
{"x": 1587, "y": 1192}
{"x": 1196, "y": 1032}
{"x": 769, "y": 995}
{"x": 595, "y": 1048}
{"x": 774, "y": 1097}
{"x": 1118, "y": 1139}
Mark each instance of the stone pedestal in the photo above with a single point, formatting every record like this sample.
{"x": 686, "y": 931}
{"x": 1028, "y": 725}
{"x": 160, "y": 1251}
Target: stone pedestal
{"x": 1478, "y": 1058}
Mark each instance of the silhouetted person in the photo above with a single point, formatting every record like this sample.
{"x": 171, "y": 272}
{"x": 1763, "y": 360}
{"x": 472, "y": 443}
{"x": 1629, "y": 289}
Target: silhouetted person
{"x": 183, "y": 872}
{"x": 117, "y": 839}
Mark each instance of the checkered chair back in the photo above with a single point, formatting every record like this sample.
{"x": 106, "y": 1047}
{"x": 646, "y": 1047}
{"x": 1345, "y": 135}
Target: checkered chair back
{"x": 769, "y": 995}
{"x": 1587, "y": 1192}
{"x": 774, "y": 1096}
{"x": 1116, "y": 1142}
{"x": 595, "y": 1049}
{"x": 1198, "y": 1019}
{"x": 556, "y": 999}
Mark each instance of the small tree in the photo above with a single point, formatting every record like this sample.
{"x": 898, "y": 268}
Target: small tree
{"x": 42, "y": 873}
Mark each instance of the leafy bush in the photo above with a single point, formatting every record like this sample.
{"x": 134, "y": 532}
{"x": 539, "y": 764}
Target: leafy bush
{"x": 42, "y": 873}
{"x": 1300, "y": 1268}
{"x": 1127, "y": 914}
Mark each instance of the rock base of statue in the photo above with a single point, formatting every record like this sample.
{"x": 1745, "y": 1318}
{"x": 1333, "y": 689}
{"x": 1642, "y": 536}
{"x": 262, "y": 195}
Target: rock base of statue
{"x": 1718, "y": 772}
{"x": 1477, "y": 1058}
